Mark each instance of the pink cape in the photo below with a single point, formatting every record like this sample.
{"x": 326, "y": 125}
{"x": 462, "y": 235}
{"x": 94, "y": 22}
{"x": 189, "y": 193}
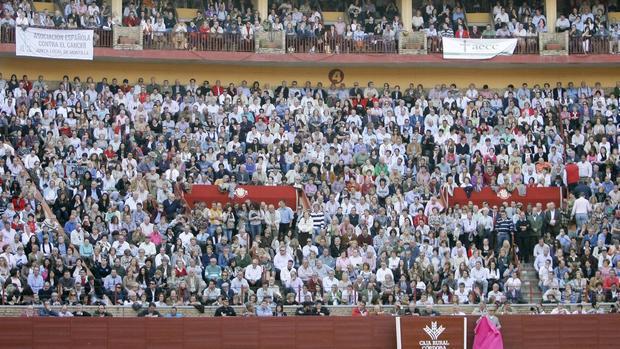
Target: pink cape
{"x": 487, "y": 336}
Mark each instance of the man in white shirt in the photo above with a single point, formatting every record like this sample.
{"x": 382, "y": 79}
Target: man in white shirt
{"x": 458, "y": 247}
{"x": 562, "y": 24}
{"x": 540, "y": 247}
{"x": 495, "y": 294}
{"x": 309, "y": 248}
{"x": 254, "y": 273}
{"x": 462, "y": 294}
{"x": 239, "y": 283}
{"x": 542, "y": 259}
{"x": 77, "y": 236}
{"x": 581, "y": 210}
{"x": 480, "y": 275}
{"x": 148, "y": 247}
{"x": 585, "y": 168}
{"x": 280, "y": 261}
{"x": 147, "y": 227}
{"x": 383, "y": 272}
{"x": 120, "y": 245}
{"x": 329, "y": 280}
{"x": 285, "y": 274}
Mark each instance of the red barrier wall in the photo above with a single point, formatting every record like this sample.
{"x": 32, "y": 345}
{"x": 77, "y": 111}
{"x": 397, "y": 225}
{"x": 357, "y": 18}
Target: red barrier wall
{"x": 533, "y": 196}
{"x": 254, "y": 193}
{"x": 519, "y": 331}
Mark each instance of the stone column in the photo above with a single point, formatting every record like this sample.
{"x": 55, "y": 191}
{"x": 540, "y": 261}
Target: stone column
{"x": 117, "y": 11}
{"x": 263, "y": 8}
{"x": 406, "y": 13}
{"x": 551, "y": 12}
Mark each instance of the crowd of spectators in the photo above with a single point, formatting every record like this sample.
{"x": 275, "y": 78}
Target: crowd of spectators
{"x": 508, "y": 21}
{"x": 110, "y": 157}
{"x": 587, "y": 21}
{"x": 70, "y": 14}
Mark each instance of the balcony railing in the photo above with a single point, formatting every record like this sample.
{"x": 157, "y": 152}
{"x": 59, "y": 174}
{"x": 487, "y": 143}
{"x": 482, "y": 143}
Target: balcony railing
{"x": 595, "y": 45}
{"x": 340, "y": 44}
{"x": 198, "y": 42}
{"x": 336, "y": 45}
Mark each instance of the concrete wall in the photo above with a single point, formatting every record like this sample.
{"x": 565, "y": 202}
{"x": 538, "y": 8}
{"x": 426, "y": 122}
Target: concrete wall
{"x": 519, "y": 331}
{"x": 492, "y": 74}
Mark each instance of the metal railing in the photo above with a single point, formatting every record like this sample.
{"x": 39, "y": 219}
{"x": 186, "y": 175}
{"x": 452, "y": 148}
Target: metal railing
{"x": 433, "y": 44}
{"x": 527, "y": 46}
{"x": 103, "y": 38}
{"x": 312, "y": 44}
{"x": 7, "y": 35}
{"x": 198, "y": 42}
{"x": 309, "y": 44}
{"x": 595, "y": 45}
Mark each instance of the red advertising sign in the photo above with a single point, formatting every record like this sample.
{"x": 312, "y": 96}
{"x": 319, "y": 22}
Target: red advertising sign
{"x": 441, "y": 332}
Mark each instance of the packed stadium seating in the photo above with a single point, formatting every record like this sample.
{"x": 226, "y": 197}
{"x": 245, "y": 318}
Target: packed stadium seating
{"x": 94, "y": 174}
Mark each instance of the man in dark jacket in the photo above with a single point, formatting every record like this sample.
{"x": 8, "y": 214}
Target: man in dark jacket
{"x": 224, "y": 309}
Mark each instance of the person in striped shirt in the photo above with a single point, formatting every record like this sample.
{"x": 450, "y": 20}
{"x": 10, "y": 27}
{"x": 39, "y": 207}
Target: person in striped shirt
{"x": 504, "y": 229}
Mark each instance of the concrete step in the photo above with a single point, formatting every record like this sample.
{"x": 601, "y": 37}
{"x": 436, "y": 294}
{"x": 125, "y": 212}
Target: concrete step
{"x": 529, "y": 278}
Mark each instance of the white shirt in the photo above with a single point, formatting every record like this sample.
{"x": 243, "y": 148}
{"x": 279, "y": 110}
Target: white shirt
{"x": 538, "y": 250}
{"x": 479, "y": 274}
{"x": 585, "y": 169}
{"x": 581, "y": 206}
{"x": 280, "y": 261}
{"x": 253, "y": 273}
{"x": 381, "y": 274}
{"x": 149, "y": 249}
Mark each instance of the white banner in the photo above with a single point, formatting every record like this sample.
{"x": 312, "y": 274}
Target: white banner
{"x": 54, "y": 43}
{"x": 477, "y": 48}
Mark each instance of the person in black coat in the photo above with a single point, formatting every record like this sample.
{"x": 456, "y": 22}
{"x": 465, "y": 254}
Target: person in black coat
{"x": 224, "y": 309}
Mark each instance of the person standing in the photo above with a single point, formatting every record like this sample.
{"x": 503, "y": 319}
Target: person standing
{"x": 581, "y": 211}
{"x": 522, "y": 236}
{"x": 286, "y": 218}
{"x": 571, "y": 175}
{"x": 552, "y": 220}
{"x": 536, "y": 221}
{"x": 504, "y": 229}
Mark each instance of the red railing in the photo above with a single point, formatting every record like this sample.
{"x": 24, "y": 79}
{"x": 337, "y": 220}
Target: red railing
{"x": 595, "y": 45}
{"x": 199, "y": 42}
{"x": 369, "y": 44}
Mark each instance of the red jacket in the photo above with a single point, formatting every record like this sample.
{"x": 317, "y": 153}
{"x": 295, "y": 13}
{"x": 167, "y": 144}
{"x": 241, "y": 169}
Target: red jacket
{"x": 611, "y": 281}
{"x": 131, "y": 21}
{"x": 572, "y": 173}
{"x": 357, "y": 312}
{"x": 217, "y": 90}
{"x": 464, "y": 34}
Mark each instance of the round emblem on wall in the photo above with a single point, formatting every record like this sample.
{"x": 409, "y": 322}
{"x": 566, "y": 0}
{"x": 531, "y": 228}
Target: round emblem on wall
{"x": 241, "y": 193}
{"x": 336, "y": 76}
{"x": 503, "y": 194}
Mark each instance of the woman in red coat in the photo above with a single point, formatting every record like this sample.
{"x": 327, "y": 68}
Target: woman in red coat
{"x": 461, "y": 33}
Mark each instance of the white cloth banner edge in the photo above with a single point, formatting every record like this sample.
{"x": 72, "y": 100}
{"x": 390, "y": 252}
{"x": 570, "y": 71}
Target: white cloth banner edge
{"x": 24, "y": 49}
{"x": 450, "y": 52}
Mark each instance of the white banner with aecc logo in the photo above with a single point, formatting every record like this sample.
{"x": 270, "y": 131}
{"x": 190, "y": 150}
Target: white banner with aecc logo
{"x": 54, "y": 43}
{"x": 477, "y": 48}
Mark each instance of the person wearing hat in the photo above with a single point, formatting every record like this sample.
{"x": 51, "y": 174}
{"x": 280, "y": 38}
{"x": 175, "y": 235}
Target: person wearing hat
{"x": 224, "y": 309}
